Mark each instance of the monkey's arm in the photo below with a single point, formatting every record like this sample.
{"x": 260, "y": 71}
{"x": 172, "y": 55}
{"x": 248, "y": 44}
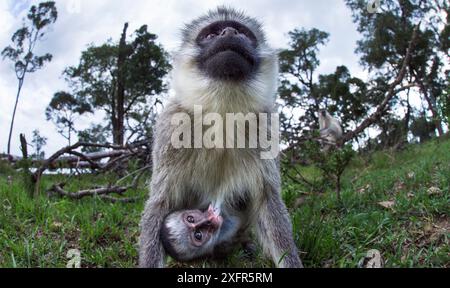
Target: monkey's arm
{"x": 151, "y": 251}
{"x": 275, "y": 231}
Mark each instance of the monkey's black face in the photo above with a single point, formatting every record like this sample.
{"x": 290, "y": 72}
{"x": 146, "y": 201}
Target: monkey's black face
{"x": 228, "y": 51}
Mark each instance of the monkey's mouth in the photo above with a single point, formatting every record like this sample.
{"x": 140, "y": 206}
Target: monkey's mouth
{"x": 229, "y": 60}
{"x": 232, "y": 49}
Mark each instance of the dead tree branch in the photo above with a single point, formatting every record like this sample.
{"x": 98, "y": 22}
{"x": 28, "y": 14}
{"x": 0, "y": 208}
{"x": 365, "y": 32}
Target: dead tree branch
{"x": 102, "y": 193}
{"x": 117, "y": 156}
{"x": 390, "y": 94}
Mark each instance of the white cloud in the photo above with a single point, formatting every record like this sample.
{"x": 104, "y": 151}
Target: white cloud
{"x": 86, "y": 21}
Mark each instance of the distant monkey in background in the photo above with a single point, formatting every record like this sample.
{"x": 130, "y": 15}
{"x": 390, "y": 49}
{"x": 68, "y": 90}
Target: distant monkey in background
{"x": 330, "y": 129}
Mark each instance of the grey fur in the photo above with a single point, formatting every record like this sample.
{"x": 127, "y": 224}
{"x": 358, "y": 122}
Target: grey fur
{"x": 330, "y": 129}
{"x": 193, "y": 178}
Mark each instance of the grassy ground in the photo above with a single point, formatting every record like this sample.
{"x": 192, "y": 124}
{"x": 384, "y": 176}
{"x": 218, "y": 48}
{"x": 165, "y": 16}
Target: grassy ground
{"x": 412, "y": 230}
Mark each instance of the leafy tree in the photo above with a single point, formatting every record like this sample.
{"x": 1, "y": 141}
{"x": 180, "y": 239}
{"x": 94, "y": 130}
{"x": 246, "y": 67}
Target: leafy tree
{"x": 303, "y": 93}
{"x": 24, "y": 40}
{"x": 121, "y": 79}
{"x": 298, "y": 90}
{"x": 96, "y": 134}
{"x": 331, "y": 166}
{"x": 38, "y": 143}
{"x": 393, "y": 134}
{"x": 385, "y": 38}
{"x": 63, "y": 111}
{"x": 344, "y": 95}
{"x": 422, "y": 128}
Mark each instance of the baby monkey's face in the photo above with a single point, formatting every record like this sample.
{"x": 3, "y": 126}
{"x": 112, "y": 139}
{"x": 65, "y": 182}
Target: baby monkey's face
{"x": 201, "y": 226}
{"x": 191, "y": 234}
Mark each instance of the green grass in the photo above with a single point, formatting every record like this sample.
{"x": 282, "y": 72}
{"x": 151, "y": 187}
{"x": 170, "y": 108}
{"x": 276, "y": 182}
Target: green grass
{"x": 39, "y": 232}
{"x": 415, "y": 232}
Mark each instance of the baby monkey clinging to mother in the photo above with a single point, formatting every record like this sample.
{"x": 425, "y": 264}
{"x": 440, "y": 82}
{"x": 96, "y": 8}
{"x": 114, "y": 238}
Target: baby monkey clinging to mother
{"x": 225, "y": 66}
{"x": 189, "y": 235}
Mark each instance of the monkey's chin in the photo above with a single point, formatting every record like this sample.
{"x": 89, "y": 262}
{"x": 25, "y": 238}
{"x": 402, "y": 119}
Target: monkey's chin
{"x": 229, "y": 66}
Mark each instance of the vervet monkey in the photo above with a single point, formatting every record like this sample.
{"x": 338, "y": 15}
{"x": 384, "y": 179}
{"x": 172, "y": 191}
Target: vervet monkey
{"x": 330, "y": 129}
{"x": 189, "y": 235}
{"x": 226, "y": 66}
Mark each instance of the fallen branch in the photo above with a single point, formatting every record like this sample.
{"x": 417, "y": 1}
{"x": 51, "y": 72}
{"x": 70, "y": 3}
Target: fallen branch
{"x": 59, "y": 188}
{"x": 120, "y": 200}
{"x": 102, "y": 193}
{"x": 94, "y": 156}
{"x": 91, "y": 161}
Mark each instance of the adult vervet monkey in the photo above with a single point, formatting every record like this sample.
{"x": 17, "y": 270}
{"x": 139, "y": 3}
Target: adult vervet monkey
{"x": 224, "y": 65}
{"x": 330, "y": 129}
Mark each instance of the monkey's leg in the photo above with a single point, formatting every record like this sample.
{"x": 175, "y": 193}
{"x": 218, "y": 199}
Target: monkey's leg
{"x": 151, "y": 251}
{"x": 325, "y": 131}
{"x": 274, "y": 231}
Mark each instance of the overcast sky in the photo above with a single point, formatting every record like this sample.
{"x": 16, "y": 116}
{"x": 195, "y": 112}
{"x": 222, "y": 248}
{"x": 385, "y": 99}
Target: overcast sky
{"x": 81, "y": 22}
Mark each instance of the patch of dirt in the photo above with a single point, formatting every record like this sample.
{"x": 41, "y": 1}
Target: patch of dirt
{"x": 431, "y": 232}
{"x": 399, "y": 186}
{"x": 300, "y": 201}
{"x": 72, "y": 237}
{"x": 107, "y": 238}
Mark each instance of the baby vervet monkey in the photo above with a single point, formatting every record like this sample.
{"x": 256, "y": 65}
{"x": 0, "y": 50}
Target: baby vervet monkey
{"x": 189, "y": 235}
{"x": 330, "y": 129}
{"x": 226, "y": 66}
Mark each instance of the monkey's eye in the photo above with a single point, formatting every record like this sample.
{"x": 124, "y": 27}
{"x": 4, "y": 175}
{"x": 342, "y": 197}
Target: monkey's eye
{"x": 210, "y": 36}
{"x": 190, "y": 219}
{"x": 198, "y": 235}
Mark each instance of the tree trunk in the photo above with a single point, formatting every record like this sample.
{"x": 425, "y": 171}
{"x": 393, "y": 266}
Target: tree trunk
{"x": 119, "y": 136}
{"x": 432, "y": 107}
{"x": 24, "y": 146}
{"x": 431, "y": 101}
{"x": 390, "y": 94}
{"x": 14, "y": 115}
{"x": 407, "y": 119}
